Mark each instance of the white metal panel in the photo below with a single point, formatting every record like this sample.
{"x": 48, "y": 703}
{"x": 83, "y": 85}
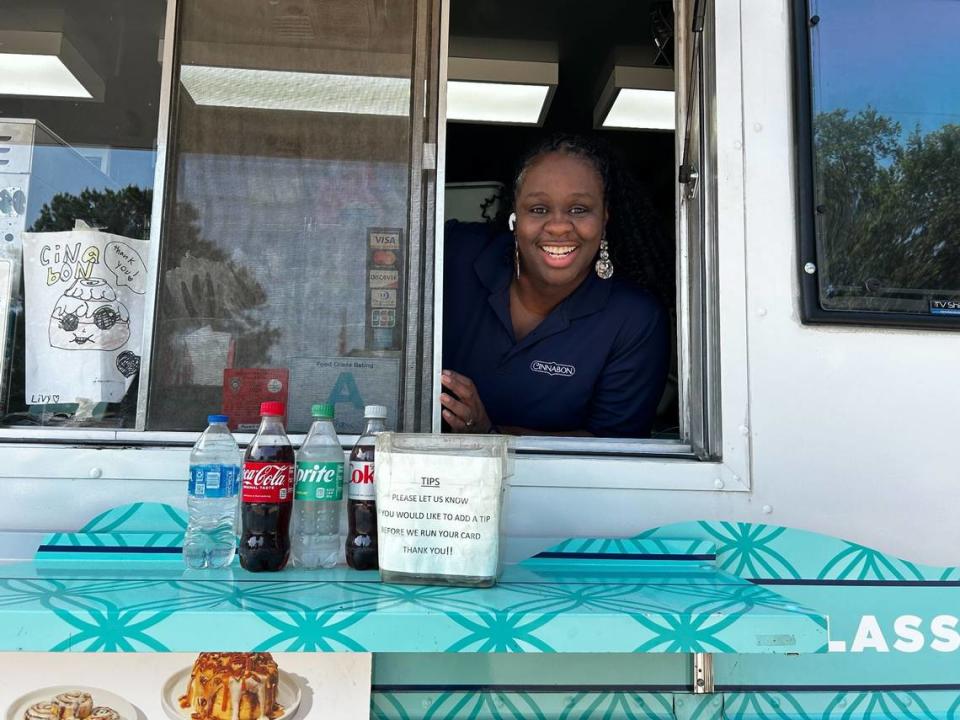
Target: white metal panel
{"x": 852, "y": 428}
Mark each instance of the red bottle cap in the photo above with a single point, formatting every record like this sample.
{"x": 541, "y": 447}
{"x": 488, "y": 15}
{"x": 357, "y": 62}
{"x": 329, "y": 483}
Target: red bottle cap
{"x": 272, "y": 407}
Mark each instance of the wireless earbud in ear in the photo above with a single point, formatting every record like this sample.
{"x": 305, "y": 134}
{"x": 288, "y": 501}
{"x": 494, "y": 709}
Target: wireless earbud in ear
{"x": 512, "y": 221}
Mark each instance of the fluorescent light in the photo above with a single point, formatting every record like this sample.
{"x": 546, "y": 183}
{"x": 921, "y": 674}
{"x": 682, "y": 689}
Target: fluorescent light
{"x": 301, "y": 91}
{"x": 488, "y": 102}
{"x": 44, "y": 64}
{"x": 492, "y": 90}
{"x": 642, "y": 109}
{"x": 639, "y": 98}
{"x": 38, "y": 75}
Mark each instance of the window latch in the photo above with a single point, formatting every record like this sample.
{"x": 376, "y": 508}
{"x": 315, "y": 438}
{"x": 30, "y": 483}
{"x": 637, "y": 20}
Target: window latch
{"x": 689, "y": 176}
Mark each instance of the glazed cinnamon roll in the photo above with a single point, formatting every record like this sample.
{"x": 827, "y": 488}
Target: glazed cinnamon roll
{"x": 74, "y": 705}
{"x": 102, "y": 712}
{"x": 42, "y": 711}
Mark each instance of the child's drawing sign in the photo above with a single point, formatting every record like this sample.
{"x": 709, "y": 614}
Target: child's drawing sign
{"x": 125, "y": 263}
{"x": 83, "y": 304}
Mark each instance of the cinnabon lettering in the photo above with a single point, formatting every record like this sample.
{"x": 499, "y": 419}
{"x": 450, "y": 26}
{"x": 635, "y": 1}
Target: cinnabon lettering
{"x": 553, "y": 368}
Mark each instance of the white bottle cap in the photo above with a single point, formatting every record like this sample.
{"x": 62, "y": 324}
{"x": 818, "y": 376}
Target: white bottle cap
{"x": 375, "y": 411}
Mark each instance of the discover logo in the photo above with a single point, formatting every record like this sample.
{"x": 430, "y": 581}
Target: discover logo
{"x": 553, "y": 368}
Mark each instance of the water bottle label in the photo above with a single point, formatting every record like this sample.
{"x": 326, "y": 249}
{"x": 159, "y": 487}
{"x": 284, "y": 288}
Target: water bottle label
{"x": 214, "y": 481}
{"x": 319, "y": 481}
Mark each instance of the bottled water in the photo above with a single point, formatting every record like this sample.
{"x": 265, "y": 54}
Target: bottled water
{"x": 211, "y": 539}
{"x": 318, "y": 494}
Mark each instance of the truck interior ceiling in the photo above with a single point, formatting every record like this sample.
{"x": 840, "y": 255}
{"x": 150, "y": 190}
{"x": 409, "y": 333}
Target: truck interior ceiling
{"x": 605, "y": 71}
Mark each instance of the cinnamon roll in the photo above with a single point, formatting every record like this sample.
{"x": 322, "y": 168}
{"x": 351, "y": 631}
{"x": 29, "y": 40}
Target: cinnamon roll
{"x": 42, "y": 711}
{"x": 102, "y": 712}
{"x": 233, "y": 686}
{"x": 75, "y": 705}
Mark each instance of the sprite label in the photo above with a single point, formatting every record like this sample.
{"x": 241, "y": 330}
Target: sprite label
{"x": 319, "y": 481}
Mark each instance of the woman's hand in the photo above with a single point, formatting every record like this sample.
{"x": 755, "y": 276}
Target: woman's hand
{"x": 462, "y": 407}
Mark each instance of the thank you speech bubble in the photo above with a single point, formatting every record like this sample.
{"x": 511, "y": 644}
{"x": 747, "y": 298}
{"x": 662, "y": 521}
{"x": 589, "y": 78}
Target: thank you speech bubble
{"x": 127, "y": 265}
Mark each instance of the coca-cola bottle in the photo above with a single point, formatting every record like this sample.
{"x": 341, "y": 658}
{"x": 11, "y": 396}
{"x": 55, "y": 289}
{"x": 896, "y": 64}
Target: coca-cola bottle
{"x": 266, "y": 497}
{"x": 361, "y": 547}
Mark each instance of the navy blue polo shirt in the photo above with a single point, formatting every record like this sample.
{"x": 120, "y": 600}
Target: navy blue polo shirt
{"x": 597, "y": 362}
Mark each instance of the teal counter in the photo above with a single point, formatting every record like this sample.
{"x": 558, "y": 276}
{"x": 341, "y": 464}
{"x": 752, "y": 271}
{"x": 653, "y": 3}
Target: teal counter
{"x": 127, "y": 590}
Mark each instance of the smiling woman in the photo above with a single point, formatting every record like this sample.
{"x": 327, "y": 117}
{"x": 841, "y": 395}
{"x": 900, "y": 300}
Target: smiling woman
{"x": 540, "y": 337}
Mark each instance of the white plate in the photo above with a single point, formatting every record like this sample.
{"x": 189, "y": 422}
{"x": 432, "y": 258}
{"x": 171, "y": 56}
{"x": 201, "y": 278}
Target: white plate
{"x": 47, "y": 694}
{"x": 288, "y": 695}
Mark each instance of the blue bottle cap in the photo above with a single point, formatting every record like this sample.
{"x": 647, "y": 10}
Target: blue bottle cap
{"x": 211, "y": 419}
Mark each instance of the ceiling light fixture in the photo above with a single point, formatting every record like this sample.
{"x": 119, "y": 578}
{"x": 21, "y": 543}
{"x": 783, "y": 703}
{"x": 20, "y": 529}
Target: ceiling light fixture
{"x": 299, "y": 91}
{"x": 639, "y": 98}
{"x": 514, "y": 92}
{"x": 45, "y": 64}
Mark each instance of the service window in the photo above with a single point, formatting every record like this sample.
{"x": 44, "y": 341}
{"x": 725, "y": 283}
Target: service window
{"x": 879, "y": 113}
{"x": 278, "y": 218}
{"x": 516, "y": 76}
{"x": 213, "y": 204}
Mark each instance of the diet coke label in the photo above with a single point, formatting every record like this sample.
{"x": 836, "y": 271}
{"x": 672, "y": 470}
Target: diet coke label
{"x": 361, "y": 485}
{"x": 265, "y": 482}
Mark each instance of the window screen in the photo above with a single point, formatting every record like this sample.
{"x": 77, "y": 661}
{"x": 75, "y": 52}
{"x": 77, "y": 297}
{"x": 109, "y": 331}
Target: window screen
{"x": 283, "y": 266}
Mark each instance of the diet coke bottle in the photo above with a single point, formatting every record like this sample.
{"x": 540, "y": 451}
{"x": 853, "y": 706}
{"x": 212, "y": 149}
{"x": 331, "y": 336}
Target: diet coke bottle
{"x": 361, "y": 548}
{"x": 267, "y": 494}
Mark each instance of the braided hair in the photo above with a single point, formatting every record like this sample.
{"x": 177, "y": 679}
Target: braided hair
{"x": 638, "y": 248}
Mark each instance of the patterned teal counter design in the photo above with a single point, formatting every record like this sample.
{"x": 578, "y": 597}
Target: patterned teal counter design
{"x": 117, "y": 586}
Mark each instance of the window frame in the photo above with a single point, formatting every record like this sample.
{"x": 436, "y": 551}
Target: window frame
{"x": 811, "y": 310}
{"x": 716, "y": 457}
{"x": 698, "y": 297}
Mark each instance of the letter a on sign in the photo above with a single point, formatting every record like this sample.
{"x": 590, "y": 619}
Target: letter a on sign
{"x": 869, "y": 635}
{"x": 345, "y": 390}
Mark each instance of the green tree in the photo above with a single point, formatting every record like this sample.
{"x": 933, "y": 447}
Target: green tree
{"x": 889, "y": 213}
{"x": 123, "y": 212}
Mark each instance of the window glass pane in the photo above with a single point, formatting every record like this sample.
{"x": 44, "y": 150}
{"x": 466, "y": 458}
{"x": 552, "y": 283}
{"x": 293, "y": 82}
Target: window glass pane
{"x": 79, "y": 95}
{"x": 282, "y": 273}
{"x": 886, "y": 105}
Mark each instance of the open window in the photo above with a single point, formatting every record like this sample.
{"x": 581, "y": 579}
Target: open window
{"x": 623, "y": 72}
{"x": 264, "y": 189}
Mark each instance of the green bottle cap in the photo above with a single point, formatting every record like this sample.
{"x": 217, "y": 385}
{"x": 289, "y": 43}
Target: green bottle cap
{"x": 322, "y": 410}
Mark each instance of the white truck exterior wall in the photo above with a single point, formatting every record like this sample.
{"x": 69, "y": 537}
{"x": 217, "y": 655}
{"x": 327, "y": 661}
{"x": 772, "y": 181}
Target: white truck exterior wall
{"x": 838, "y": 430}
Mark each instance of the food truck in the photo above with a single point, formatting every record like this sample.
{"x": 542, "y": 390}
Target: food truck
{"x": 254, "y": 194}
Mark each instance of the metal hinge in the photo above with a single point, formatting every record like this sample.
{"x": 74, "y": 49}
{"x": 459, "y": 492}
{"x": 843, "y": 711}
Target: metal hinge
{"x": 702, "y": 673}
{"x": 429, "y": 156}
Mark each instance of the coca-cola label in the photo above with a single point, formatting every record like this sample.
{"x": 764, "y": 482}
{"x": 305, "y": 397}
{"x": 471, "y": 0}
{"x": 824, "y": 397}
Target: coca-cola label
{"x": 361, "y": 485}
{"x": 319, "y": 481}
{"x": 266, "y": 482}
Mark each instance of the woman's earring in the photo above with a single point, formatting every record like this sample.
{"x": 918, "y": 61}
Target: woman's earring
{"x": 604, "y": 267}
{"x": 512, "y": 224}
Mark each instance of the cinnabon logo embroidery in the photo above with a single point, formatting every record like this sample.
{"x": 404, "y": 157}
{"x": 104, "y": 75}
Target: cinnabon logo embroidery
{"x": 552, "y": 368}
